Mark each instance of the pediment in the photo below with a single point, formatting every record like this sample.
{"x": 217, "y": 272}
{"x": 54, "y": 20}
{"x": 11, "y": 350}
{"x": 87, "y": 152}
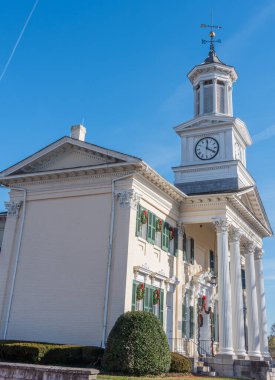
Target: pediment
{"x": 67, "y": 153}
{"x": 252, "y": 201}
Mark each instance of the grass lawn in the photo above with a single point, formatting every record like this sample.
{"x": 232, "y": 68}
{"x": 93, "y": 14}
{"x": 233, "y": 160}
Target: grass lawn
{"x": 114, "y": 377}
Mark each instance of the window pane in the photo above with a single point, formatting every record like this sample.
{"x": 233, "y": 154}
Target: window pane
{"x": 208, "y": 99}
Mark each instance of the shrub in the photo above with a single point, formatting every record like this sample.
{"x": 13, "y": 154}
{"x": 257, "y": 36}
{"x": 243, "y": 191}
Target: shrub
{"x": 180, "y": 363}
{"x": 137, "y": 345}
{"x": 74, "y": 355}
{"x": 47, "y": 353}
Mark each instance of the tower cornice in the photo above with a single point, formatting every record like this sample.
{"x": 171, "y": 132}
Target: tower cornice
{"x": 212, "y": 68}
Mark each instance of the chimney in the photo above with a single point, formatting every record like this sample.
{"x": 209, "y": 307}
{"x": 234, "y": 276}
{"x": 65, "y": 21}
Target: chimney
{"x": 78, "y": 132}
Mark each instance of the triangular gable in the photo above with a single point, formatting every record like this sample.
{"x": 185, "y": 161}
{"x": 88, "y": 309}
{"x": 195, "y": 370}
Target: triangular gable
{"x": 67, "y": 153}
{"x": 252, "y": 201}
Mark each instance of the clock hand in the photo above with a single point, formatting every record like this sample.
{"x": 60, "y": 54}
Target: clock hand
{"x": 211, "y": 150}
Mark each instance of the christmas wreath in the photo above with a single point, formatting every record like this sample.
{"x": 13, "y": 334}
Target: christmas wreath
{"x": 140, "y": 292}
{"x": 158, "y": 225}
{"x": 171, "y": 233}
{"x": 144, "y": 217}
{"x": 156, "y": 297}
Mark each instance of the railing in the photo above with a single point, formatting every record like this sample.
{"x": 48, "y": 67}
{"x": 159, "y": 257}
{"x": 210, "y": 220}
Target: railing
{"x": 190, "y": 348}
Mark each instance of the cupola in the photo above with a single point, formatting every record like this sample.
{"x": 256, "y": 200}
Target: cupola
{"x": 213, "y": 83}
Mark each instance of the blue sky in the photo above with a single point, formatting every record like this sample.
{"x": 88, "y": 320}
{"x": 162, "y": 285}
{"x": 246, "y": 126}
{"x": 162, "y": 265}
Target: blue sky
{"x": 121, "y": 66}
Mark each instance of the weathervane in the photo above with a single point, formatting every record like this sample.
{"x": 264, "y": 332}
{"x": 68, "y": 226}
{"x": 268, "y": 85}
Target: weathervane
{"x": 212, "y": 34}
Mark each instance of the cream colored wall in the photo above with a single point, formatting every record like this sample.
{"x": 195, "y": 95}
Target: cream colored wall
{"x": 59, "y": 292}
{"x": 204, "y": 237}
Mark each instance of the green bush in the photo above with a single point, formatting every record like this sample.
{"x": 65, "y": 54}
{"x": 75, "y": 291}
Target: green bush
{"x": 180, "y": 363}
{"x": 47, "y": 353}
{"x": 137, "y": 345}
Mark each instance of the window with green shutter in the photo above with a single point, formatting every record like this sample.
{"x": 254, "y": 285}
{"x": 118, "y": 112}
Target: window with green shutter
{"x": 134, "y": 296}
{"x": 183, "y": 325}
{"x": 165, "y": 237}
{"x": 192, "y": 325}
{"x": 212, "y": 261}
{"x": 151, "y": 228}
{"x": 192, "y": 246}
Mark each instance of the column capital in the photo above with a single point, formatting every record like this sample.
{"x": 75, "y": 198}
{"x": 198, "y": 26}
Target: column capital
{"x": 259, "y": 253}
{"x": 234, "y": 234}
{"x": 13, "y": 208}
{"x": 221, "y": 225}
{"x": 181, "y": 229}
{"x": 249, "y": 248}
{"x": 128, "y": 198}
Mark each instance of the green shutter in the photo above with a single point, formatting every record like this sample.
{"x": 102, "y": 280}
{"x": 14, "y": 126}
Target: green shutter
{"x": 183, "y": 320}
{"x": 191, "y": 322}
{"x": 134, "y": 296}
{"x": 214, "y": 324}
{"x": 165, "y": 237}
{"x": 212, "y": 261}
{"x": 151, "y": 227}
{"x": 184, "y": 247}
{"x": 192, "y": 251}
{"x": 138, "y": 222}
{"x": 176, "y": 242}
{"x": 161, "y": 306}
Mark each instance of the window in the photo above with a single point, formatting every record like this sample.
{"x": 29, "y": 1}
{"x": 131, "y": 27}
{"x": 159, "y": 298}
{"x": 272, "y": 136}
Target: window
{"x": 151, "y": 227}
{"x": 243, "y": 279}
{"x": 183, "y": 326}
{"x": 156, "y": 231}
{"x": 188, "y": 250}
{"x": 208, "y": 99}
{"x": 220, "y": 99}
{"x": 165, "y": 237}
{"x": 197, "y": 105}
{"x": 147, "y": 303}
{"x": 212, "y": 261}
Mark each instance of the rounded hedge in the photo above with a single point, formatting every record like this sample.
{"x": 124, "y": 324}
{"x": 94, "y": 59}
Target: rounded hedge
{"x": 137, "y": 345}
{"x": 180, "y": 363}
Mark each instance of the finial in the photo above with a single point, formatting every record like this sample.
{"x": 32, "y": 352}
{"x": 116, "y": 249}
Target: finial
{"x": 212, "y": 34}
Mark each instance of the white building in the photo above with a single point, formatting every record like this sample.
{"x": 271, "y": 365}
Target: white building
{"x": 91, "y": 233}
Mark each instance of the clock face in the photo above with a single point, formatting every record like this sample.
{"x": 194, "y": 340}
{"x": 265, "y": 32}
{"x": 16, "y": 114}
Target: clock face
{"x": 207, "y": 148}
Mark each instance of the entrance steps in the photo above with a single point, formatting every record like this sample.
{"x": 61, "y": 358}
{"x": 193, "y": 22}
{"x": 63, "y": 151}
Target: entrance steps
{"x": 204, "y": 369}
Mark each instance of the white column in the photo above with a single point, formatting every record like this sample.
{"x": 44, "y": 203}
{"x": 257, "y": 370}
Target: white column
{"x": 236, "y": 293}
{"x": 261, "y": 304}
{"x": 179, "y": 295}
{"x": 224, "y": 293}
{"x": 252, "y": 306}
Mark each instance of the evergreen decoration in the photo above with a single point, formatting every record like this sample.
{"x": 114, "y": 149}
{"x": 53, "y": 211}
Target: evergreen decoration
{"x": 140, "y": 292}
{"x": 171, "y": 233}
{"x": 144, "y": 217}
{"x": 156, "y": 297}
{"x": 137, "y": 345}
{"x": 159, "y": 225}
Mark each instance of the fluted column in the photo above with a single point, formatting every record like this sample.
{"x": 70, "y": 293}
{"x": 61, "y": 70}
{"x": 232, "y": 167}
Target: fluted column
{"x": 261, "y": 303}
{"x": 224, "y": 292}
{"x": 252, "y": 306}
{"x": 236, "y": 293}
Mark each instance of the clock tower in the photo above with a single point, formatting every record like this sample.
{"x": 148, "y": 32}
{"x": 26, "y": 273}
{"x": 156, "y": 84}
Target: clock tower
{"x": 213, "y": 143}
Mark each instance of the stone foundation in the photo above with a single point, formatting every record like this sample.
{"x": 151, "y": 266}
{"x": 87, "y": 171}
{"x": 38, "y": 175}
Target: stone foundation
{"x": 15, "y": 371}
{"x": 229, "y": 367}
